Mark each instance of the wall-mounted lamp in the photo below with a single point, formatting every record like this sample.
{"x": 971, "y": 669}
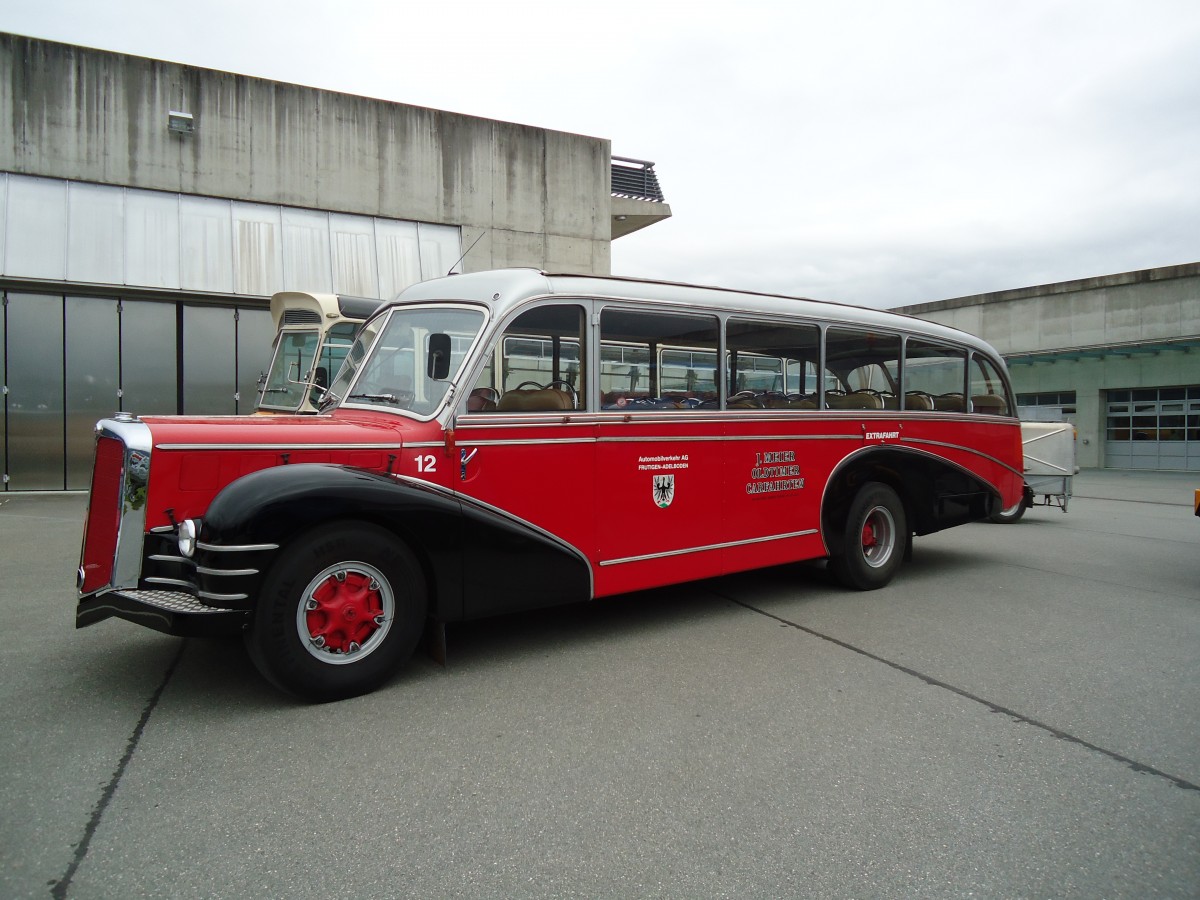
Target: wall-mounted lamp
{"x": 621, "y": 218}
{"x": 180, "y": 122}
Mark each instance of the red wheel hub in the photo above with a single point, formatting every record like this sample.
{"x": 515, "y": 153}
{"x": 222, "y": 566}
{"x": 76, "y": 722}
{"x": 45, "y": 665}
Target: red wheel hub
{"x": 344, "y": 611}
{"x": 869, "y": 538}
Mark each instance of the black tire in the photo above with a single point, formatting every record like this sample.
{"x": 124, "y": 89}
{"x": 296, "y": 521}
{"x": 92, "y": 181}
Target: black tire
{"x": 873, "y": 540}
{"x": 339, "y": 611}
{"x": 1010, "y": 515}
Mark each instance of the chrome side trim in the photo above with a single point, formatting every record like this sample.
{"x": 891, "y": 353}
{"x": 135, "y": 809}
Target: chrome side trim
{"x": 795, "y": 437}
{"x": 963, "y": 449}
{"x": 287, "y": 448}
{"x": 204, "y": 570}
{"x": 234, "y": 548}
{"x": 524, "y": 443}
{"x": 668, "y": 553}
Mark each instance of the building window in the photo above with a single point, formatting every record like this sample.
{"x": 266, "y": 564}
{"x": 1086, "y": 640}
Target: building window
{"x": 1154, "y": 414}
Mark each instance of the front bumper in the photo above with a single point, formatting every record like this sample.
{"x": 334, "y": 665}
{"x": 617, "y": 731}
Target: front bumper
{"x": 170, "y": 612}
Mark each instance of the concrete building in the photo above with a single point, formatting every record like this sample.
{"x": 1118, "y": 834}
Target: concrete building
{"x": 1118, "y": 355}
{"x": 148, "y": 210}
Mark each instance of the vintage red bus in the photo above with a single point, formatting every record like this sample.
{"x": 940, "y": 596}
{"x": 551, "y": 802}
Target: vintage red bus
{"x": 508, "y": 440}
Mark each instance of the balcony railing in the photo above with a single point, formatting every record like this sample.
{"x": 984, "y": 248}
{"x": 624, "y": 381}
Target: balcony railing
{"x": 635, "y": 178}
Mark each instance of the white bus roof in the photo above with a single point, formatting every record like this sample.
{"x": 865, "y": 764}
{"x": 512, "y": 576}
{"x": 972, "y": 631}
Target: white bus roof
{"x": 505, "y": 289}
{"x": 308, "y": 308}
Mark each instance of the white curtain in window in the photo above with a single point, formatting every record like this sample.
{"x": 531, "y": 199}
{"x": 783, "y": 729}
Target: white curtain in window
{"x": 206, "y": 242}
{"x": 152, "y": 238}
{"x": 306, "y": 262}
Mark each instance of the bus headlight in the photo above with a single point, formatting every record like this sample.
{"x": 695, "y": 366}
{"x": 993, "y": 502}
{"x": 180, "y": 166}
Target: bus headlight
{"x": 188, "y": 530}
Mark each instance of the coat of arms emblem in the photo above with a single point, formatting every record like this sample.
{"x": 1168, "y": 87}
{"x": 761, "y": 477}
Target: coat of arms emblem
{"x": 664, "y": 490}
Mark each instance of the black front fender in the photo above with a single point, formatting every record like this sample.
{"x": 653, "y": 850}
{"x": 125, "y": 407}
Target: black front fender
{"x": 478, "y": 561}
{"x": 264, "y": 511}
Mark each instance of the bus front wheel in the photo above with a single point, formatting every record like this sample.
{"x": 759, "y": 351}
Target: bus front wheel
{"x": 339, "y": 611}
{"x": 872, "y": 545}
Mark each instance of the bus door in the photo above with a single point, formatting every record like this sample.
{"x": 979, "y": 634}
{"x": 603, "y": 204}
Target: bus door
{"x": 776, "y": 453}
{"x": 658, "y": 456}
{"x": 525, "y": 444}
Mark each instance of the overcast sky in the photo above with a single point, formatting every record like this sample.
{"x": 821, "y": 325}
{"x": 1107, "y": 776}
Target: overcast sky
{"x": 879, "y": 153}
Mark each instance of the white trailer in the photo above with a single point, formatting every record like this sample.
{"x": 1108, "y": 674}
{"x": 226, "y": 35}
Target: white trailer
{"x": 1049, "y": 467}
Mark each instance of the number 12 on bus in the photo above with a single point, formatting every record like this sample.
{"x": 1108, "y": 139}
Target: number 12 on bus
{"x": 507, "y": 440}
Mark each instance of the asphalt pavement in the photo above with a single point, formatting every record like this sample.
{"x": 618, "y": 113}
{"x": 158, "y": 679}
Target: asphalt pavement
{"x": 1016, "y": 715}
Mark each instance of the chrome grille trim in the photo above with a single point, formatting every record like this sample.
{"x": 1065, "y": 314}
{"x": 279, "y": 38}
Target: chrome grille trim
{"x": 234, "y": 548}
{"x": 221, "y": 598}
{"x": 205, "y": 570}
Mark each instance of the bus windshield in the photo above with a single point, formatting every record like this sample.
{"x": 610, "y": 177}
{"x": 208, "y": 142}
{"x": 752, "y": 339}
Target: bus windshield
{"x": 302, "y": 366}
{"x": 394, "y": 362}
{"x": 285, "y": 386}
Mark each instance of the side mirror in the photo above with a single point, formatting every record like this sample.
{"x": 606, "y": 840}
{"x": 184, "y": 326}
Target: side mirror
{"x": 438, "y": 356}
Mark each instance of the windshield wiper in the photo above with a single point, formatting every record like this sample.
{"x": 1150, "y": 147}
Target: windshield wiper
{"x": 390, "y": 398}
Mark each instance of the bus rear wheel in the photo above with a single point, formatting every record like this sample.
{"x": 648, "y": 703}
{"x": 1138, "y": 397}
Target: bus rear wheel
{"x": 339, "y": 611}
{"x": 873, "y": 539}
{"x": 1010, "y": 515}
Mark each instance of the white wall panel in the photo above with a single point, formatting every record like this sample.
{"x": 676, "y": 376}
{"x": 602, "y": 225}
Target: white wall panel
{"x": 37, "y": 232}
{"x": 355, "y": 271}
{"x": 91, "y": 233}
{"x": 399, "y": 256}
{"x": 440, "y": 250}
{"x": 152, "y": 239}
{"x": 95, "y": 233}
{"x": 257, "y": 249}
{"x": 306, "y": 255}
{"x": 3, "y": 222}
{"x": 206, "y": 245}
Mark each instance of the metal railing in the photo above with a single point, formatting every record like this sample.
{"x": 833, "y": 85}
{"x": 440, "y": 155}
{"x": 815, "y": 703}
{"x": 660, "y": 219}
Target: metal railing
{"x": 635, "y": 178}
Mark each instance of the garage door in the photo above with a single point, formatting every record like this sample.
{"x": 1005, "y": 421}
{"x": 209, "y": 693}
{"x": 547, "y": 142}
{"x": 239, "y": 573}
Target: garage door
{"x": 1153, "y": 428}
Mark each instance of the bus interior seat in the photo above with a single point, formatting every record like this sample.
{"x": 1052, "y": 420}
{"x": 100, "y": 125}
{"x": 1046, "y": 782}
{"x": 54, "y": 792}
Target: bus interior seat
{"x": 854, "y": 400}
{"x": 745, "y": 400}
{"x": 918, "y": 400}
{"x": 949, "y": 403}
{"x": 989, "y": 404}
{"x": 790, "y": 401}
{"x": 481, "y": 400}
{"x": 534, "y": 400}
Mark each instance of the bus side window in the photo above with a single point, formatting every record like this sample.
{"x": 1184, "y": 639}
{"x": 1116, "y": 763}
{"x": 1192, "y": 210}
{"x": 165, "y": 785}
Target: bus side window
{"x": 657, "y": 361}
{"x": 772, "y": 365}
{"x": 541, "y": 364}
{"x": 988, "y": 392}
{"x": 934, "y": 375}
{"x": 866, "y": 365}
